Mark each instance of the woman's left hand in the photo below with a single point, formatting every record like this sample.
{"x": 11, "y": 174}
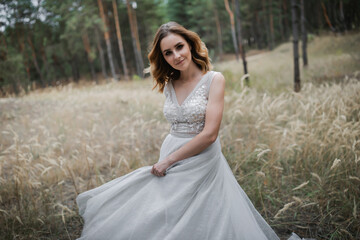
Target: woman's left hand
{"x": 159, "y": 168}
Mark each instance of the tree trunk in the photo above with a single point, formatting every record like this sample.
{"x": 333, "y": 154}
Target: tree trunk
{"x": 303, "y": 34}
{"x": 331, "y": 12}
{"x": 342, "y": 17}
{"x": 266, "y": 25}
{"x": 75, "y": 69}
{"x": 44, "y": 59}
{"x": 242, "y": 50}
{"x": 138, "y": 46}
{"x": 3, "y": 57}
{"x": 107, "y": 39}
{"x": 252, "y": 30}
{"x": 281, "y": 23}
{"x": 295, "y": 24}
{"x": 233, "y": 34}
{"x": 33, "y": 53}
{"x": 101, "y": 54}
{"x": 120, "y": 43}
{"x": 73, "y": 63}
{"x": 271, "y": 20}
{"x": 258, "y": 36}
{"x": 23, "y": 52}
{"x": 319, "y": 18}
{"x": 286, "y": 22}
{"x": 87, "y": 47}
{"x": 327, "y": 18}
{"x": 3, "y": 54}
{"x": 58, "y": 64}
{"x": 219, "y": 35}
{"x": 135, "y": 41}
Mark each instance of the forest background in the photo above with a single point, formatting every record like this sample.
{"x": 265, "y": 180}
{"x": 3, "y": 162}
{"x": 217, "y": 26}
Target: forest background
{"x": 51, "y": 42}
{"x": 76, "y": 112}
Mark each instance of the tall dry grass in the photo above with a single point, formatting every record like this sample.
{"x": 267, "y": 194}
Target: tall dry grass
{"x": 331, "y": 59}
{"x": 60, "y": 142}
{"x": 296, "y": 155}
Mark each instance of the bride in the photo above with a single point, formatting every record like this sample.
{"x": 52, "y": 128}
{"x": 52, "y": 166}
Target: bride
{"x": 191, "y": 192}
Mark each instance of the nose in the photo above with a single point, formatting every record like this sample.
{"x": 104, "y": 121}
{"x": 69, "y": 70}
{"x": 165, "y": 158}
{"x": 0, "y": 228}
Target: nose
{"x": 176, "y": 54}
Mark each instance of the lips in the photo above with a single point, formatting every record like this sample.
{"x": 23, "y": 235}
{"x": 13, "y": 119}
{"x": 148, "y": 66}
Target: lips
{"x": 178, "y": 63}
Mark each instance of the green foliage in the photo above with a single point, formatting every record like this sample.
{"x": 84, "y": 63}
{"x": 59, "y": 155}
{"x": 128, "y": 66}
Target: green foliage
{"x": 13, "y": 73}
{"x": 56, "y": 28}
{"x": 274, "y": 140}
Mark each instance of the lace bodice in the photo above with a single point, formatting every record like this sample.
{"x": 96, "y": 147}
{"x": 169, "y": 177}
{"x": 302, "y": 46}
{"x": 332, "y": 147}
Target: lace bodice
{"x": 188, "y": 119}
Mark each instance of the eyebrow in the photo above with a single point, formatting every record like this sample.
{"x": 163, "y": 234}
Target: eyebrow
{"x": 175, "y": 46}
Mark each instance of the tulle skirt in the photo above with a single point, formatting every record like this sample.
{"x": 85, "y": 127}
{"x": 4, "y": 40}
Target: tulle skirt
{"x": 198, "y": 199}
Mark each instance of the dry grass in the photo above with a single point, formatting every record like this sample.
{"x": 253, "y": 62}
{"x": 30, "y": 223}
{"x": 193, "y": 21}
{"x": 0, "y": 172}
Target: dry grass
{"x": 296, "y": 155}
{"x": 331, "y": 59}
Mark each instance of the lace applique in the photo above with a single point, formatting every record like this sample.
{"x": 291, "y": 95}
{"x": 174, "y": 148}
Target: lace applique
{"x": 189, "y": 117}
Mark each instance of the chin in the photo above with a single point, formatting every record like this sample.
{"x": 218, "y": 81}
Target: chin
{"x": 182, "y": 66}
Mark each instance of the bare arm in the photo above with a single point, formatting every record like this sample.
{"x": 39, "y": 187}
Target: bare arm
{"x": 207, "y": 136}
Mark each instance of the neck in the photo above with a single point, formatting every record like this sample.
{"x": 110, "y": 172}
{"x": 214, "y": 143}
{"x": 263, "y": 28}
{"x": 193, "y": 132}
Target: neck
{"x": 192, "y": 72}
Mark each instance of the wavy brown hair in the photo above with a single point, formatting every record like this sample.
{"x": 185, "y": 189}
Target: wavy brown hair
{"x": 161, "y": 71}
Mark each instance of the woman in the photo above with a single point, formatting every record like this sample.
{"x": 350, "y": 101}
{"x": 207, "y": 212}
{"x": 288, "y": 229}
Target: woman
{"x": 190, "y": 193}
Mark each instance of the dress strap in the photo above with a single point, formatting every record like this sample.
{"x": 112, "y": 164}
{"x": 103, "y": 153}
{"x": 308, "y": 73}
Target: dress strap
{"x": 209, "y": 81}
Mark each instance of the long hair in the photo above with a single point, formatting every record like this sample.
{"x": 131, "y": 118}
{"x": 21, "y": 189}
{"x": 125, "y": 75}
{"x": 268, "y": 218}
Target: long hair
{"x": 160, "y": 70}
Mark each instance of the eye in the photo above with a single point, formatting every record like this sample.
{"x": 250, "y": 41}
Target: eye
{"x": 179, "y": 46}
{"x": 167, "y": 53}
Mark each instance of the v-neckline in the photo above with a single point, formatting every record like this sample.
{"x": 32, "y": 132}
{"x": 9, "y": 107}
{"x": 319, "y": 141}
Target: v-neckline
{"x": 191, "y": 92}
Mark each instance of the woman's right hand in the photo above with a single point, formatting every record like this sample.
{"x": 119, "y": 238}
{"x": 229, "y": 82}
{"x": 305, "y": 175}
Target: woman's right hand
{"x": 159, "y": 168}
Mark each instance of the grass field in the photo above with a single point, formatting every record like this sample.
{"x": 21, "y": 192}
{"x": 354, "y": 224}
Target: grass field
{"x": 296, "y": 155}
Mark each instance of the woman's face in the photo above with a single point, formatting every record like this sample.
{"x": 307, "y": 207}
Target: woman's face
{"x": 176, "y": 51}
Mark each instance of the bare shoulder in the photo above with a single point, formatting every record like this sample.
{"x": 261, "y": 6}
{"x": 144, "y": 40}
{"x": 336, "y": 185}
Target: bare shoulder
{"x": 218, "y": 81}
{"x": 217, "y": 87}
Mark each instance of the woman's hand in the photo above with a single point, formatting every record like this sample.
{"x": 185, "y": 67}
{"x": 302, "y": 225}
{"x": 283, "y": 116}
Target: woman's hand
{"x": 159, "y": 168}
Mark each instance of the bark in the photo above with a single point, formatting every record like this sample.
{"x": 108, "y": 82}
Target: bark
{"x": 120, "y": 43}
{"x": 101, "y": 54}
{"x": 3, "y": 57}
{"x": 34, "y": 58}
{"x": 3, "y": 53}
{"x": 242, "y": 50}
{"x": 138, "y": 46}
{"x": 59, "y": 65}
{"x": 219, "y": 35}
{"x": 303, "y": 34}
{"x": 258, "y": 36}
{"x": 295, "y": 24}
{"x": 286, "y": 22}
{"x": 266, "y": 25}
{"x": 135, "y": 41}
{"x": 44, "y": 59}
{"x": 271, "y": 20}
{"x": 252, "y": 31}
{"x": 332, "y": 16}
{"x": 75, "y": 69}
{"x": 319, "y": 18}
{"x": 23, "y": 52}
{"x": 327, "y": 17}
{"x": 73, "y": 61}
{"x": 233, "y": 34}
{"x": 3, "y": 93}
{"x": 16, "y": 84}
{"x": 107, "y": 39}
{"x": 87, "y": 47}
{"x": 281, "y": 24}
{"x": 342, "y": 17}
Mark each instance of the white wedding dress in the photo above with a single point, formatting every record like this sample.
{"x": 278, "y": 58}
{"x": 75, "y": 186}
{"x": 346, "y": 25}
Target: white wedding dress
{"x": 198, "y": 199}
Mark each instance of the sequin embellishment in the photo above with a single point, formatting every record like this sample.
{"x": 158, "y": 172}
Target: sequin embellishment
{"x": 189, "y": 117}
